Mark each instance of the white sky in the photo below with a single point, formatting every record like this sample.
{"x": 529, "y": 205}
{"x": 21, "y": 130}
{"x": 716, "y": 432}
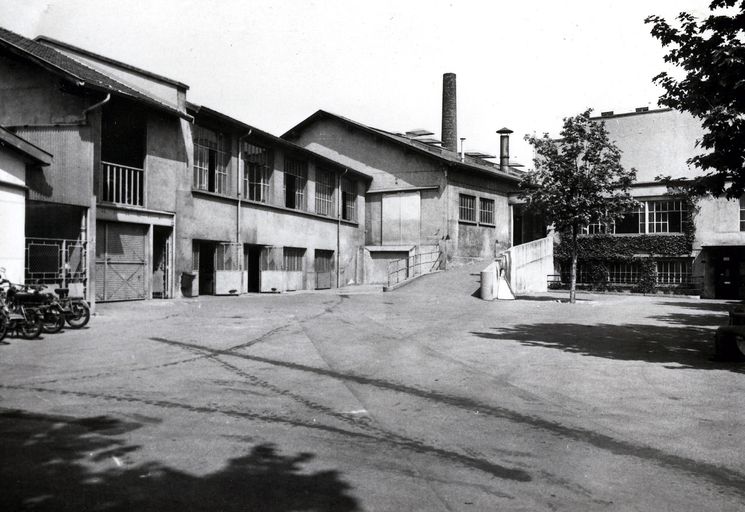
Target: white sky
{"x": 524, "y": 64}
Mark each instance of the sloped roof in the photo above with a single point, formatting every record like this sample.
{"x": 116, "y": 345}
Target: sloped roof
{"x": 21, "y": 145}
{"x": 60, "y": 64}
{"x": 196, "y": 109}
{"x": 450, "y": 157}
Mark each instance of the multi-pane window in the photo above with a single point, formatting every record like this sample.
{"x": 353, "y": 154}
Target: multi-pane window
{"x": 742, "y": 213}
{"x": 486, "y": 211}
{"x": 630, "y": 223}
{"x": 257, "y": 171}
{"x": 211, "y": 160}
{"x": 666, "y": 216}
{"x": 293, "y": 259}
{"x": 348, "y": 200}
{"x": 673, "y": 271}
{"x": 467, "y": 208}
{"x": 296, "y": 176}
{"x": 624, "y": 272}
{"x": 324, "y": 192}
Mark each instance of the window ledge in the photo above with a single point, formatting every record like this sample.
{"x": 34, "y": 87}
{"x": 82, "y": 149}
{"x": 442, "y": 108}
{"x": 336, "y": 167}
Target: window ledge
{"x": 469, "y": 222}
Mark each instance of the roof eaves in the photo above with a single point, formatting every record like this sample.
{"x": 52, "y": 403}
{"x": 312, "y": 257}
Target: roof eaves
{"x": 49, "y": 41}
{"x": 21, "y": 145}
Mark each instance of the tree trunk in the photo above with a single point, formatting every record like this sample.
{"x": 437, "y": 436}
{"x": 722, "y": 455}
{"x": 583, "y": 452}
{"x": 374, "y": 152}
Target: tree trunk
{"x": 573, "y": 268}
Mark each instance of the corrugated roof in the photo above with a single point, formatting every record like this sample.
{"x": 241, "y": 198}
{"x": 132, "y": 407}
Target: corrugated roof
{"x": 450, "y": 157}
{"x": 59, "y": 63}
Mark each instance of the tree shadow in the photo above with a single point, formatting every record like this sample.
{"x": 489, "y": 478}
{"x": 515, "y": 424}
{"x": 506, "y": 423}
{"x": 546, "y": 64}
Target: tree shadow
{"x": 58, "y": 464}
{"x": 686, "y": 347}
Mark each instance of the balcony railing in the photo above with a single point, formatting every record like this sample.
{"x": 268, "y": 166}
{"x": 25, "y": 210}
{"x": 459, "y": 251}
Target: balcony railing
{"x": 122, "y": 184}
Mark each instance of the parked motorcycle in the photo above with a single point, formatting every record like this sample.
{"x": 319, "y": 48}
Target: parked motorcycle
{"x": 76, "y": 311}
{"x": 15, "y": 317}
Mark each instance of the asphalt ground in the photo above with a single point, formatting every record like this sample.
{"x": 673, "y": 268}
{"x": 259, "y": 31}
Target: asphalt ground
{"x": 421, "y": 399}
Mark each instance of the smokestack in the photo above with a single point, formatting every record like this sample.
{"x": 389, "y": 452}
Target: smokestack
{"x": 449, "y": 113}
{"x": 504, "y": 148}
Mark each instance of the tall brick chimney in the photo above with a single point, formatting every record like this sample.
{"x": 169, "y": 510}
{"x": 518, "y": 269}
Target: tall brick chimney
{"x": 449, "y": 113}
{"x": 504, "y": 148}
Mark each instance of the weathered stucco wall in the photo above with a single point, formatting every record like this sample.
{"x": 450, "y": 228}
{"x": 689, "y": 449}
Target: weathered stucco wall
{"x": 390, "y": 168}
{"x": 656, "y": 142}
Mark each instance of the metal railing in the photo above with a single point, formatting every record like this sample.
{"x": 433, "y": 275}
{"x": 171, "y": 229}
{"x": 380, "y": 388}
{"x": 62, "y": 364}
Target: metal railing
{"x": 56, "y": 262}
{"x": 416, "y": 264}
{"x": 122, "y": 184}
{"x": 685, "y": 285}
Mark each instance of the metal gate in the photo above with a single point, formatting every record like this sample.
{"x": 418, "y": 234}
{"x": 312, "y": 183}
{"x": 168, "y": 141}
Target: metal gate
{"x": 120, "y": 261}
{"x": 58, "y": 262}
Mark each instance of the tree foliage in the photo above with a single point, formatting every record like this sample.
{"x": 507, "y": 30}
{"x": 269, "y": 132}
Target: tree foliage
{"x": 578, "y": 180}
{"x": 711, "y": 54}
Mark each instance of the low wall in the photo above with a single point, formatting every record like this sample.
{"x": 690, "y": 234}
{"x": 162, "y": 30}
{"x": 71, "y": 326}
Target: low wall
{"x": 528, "y": 265}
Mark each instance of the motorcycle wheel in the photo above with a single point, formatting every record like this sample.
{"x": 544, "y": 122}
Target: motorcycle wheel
{"x": 53, "y": 321}
{"x": 80, "y": 315}
{"x": 3, "y": 325}
{"x": 32, "y": 327}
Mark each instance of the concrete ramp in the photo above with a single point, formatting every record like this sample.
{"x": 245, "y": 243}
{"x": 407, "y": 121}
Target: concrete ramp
{"x": 527, "y": 266}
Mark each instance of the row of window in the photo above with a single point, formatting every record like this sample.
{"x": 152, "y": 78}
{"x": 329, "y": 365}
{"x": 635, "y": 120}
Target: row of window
{"x": 468, "y": 212}
{"x": 666, "y": 216}
{"x": 669, "y": 272}
{"x": 293, "y": 257}
{"x": 212, "y": 160}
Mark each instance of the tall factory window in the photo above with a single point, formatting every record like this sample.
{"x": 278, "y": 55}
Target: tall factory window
{"x": 211, "y": 160}
{"x": 348, "y": 200}
{"x": 467, "y": 208}
{"x": 257, "y": 171}
{"x": 324, "y": 192}
{"x": 486, "y": 211}
{"x": 296, "y": 177}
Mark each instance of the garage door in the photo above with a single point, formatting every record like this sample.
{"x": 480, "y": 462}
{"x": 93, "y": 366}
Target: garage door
{"x": 401, "y": 213}
{"x": 120, "y": 261}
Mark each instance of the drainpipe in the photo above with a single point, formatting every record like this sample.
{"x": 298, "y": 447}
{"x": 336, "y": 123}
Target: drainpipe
{"x": 338, "y": 225}
{"x": 240, "y": 203}
{"x": 96, "y": 105}
{"x": 91, "y": 240}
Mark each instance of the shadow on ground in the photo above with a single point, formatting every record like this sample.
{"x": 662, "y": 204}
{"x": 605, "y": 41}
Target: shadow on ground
{"x": 59, "y": 463}
{"x": 689, "y": 347}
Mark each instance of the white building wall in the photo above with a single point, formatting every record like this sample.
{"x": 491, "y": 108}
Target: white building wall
{"x": 12, "y": 215}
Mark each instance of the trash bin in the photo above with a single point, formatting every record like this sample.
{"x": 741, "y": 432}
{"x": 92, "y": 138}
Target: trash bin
{"x": 190, "y": 283}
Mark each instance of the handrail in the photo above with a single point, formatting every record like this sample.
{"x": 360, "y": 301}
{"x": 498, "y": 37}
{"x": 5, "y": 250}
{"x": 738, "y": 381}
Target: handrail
{"x": 406, "y": 268}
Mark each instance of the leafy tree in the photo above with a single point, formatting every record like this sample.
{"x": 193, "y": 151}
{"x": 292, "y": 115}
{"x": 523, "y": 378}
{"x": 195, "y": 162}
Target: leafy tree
{"x": 711, "y": 54}
{"x": 578, "y": 180}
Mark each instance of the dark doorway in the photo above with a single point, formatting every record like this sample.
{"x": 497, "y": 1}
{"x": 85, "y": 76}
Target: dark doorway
{"x": 252, "y": 264}
{"x": 207, "y": 268}
{"x": 729, "y": 272}
{"x": 526, "y": 225}
{"x": 161, "y": 280}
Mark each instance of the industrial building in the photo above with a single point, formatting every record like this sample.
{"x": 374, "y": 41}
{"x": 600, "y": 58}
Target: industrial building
{"x": 425, "y": 196}
{"x": 150, "y": 196}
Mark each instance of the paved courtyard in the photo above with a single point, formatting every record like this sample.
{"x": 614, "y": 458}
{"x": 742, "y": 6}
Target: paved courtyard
{"x": 423, "y": 399}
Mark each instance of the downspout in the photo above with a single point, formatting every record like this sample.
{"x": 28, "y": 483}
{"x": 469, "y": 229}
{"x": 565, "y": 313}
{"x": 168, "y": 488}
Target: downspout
{"x": 338, "y": 225}
{"x": 96, "y": 105}
{"x": 238, "y": 240}
{"x": 91, "y": 223}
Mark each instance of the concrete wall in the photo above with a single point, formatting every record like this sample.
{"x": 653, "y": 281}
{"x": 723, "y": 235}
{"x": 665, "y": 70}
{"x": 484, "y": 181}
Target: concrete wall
{"x": 656, "y": 142}
{"x": 529, "y": 265}
{"x": 472, "y": 239}
{"x": 207, "y": 216}
{"x": 12, "y": 211}
{"x": 390, "y": 168}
